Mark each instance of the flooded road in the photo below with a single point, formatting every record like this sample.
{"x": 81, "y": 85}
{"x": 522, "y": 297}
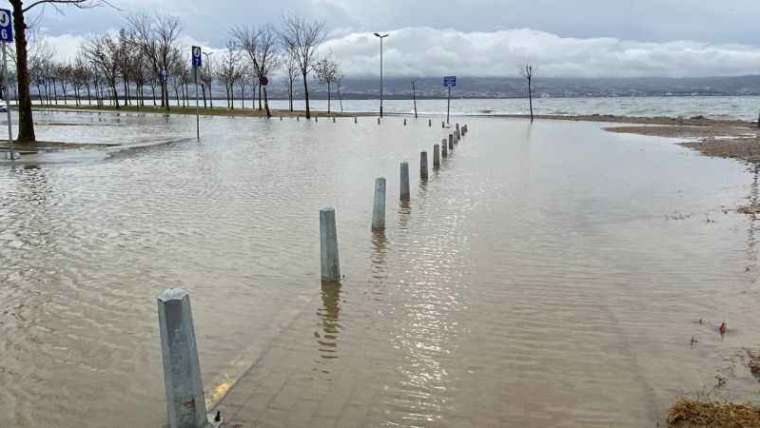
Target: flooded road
{"x": 548, "y": 275}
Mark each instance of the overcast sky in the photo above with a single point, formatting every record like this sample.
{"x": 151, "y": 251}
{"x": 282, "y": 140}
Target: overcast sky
{"x": 564, "y": 38}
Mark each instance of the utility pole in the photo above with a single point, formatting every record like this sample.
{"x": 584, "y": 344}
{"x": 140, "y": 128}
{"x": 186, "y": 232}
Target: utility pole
{"x": 381, "y": 37}
{"x": 414, "y": 97}
{"x": 208, "y": 71}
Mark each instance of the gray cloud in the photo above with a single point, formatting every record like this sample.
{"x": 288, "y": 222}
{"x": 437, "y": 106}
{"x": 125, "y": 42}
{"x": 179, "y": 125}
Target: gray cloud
{"x": 647, "y": 20}
{"x": 589, "y": 38}
{"x": 433, "y": 52}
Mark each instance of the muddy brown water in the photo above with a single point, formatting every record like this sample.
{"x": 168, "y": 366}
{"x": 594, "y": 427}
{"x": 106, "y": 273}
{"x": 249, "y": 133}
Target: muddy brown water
{"x": 548, "y": 275}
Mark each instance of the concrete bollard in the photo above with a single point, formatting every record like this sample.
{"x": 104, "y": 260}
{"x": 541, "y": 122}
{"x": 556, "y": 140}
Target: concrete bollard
{"x": 423, "y": 166}
{"x": 378, "y": 120}
{"x": 443, "y": 124}
{"x": 333, "y": 119}
{"x": 355, "y": 120}
{"x": 378, "y": 209}
{"x": 328, "y": 240}
{"x": 456, "y": 137}
{"x": 436, "y": 156}
{"x": 185, "y": 404}
{"x": 430, "y": 123}
{"x": 456, "y": 127}
{"x": 316, "y": 119}
{"x": 444, "y": 149}
{"x": 280, "y": 118}
{"x": 451, "y": 142}
{"x": 405, "y": 181}
{"x": 298, "y": 118}
{"x": 404, "y": 121}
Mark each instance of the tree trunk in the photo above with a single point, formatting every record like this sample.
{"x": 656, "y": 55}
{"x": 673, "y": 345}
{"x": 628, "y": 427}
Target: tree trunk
{"x": 25, "y": 120}
{"x": 266, "y": 102}
{"x": 259, "y": 96}
{"x": 165, "y": 95}
{"x": 253, "y": 96}
{"x": 306, "y": 95}
{"x": 115, "y": 95}
{"x": 328, "y": 97}
{"x": 126, "y": 92}
{"x": 89, "y": 96}
{"x": 55, "y": 92}
{"x": 530, "y": 99}
{"x": 203, "y": 89}
{"x": 290, "y": 93}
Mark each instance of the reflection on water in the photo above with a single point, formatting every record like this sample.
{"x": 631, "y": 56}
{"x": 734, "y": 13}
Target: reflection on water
{"x": 327, "y": 336}
{"x": 540, "y": 269}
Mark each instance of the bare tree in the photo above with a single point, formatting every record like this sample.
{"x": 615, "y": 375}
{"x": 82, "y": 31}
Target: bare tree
{"x": 527, "y": 73}
{"x": 230, "y": 71}
{"x": 246, "y": 74}
{"x": 291, "y": 68}
{"x": 104, "y": 53}
{"x": 338, "y": 84}
{"x": 80, "y": 78}
{"x": 327, "y": 73}
{"x": 262, "y": 50}
{"x": 157, "y": 38}
{"x": 302, "y": 37}
{"x": 126, "y": 58}
{"x": 25, "y": 120}
{"x": 207, "y": 79}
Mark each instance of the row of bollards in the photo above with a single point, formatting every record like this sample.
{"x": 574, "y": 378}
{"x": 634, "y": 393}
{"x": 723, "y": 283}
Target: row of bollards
{"x": 356, "y": 120}
{"x": 185, "y": 402}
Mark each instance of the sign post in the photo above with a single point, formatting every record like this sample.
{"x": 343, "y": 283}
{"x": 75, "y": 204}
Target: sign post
{"x": 449, "y": 82}
{"x": 6, "y": 36}
{"x": 197, "y": 62}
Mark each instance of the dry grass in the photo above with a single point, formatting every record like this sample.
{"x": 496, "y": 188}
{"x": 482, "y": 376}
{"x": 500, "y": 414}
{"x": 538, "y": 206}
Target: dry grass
{"x": 697, "y": 414}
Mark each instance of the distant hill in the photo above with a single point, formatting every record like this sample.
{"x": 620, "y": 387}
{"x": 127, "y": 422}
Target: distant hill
{"x": 490, "y": 87}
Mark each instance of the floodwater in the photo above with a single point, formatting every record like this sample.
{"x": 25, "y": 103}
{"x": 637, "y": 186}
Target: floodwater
{"x": 550, "y": 274}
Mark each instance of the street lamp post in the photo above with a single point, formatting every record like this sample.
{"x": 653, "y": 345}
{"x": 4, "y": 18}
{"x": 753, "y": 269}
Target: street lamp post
{"x": 381, "y": 37}
{"x": 208, "y": 71}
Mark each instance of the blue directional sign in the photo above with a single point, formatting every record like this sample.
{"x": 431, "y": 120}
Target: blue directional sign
{"x": 6, "y": 26}
{"x": 197, "y": 57}
{"x": 449, "y": 81}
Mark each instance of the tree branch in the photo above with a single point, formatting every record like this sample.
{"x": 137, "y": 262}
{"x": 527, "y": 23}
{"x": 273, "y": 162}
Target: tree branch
{"x": 81, "y": 4}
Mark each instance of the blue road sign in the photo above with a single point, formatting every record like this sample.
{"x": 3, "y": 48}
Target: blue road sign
{"x": 6, "y": 26}
{"x": 449, "y": 81}
{"x": 197, "y": 57}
